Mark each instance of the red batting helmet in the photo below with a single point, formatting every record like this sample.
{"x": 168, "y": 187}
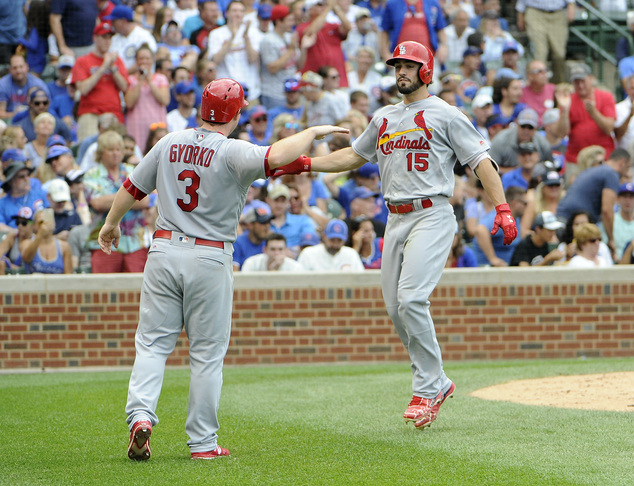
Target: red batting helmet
{"x": 413, "y": 51}
{"x": 222, "y": 99}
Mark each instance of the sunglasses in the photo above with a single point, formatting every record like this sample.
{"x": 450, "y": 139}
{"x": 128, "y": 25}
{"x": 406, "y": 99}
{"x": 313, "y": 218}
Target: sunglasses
{"x": 157, "y": 125}
{"x": 537, "y": 71}
{"x": 528, "y": 127}
{"x": 40, "y": 103}
{"x": 23, "y": 222}
{"x": 294, "y": 126}
{"x": 260, "y": 119}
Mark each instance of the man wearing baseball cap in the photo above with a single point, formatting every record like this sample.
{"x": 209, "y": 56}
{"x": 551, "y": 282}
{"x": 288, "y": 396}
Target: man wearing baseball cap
{"x": 65, "y": 64}
{"x": 505, "y": 145}
{"x": 184, "y": 115}
{"x": 18, "y": 193}
{"x": 293, "y": 105}
{"x": 331, "y": 255}
{"x": 59, "y": 198}
{"x": 623, "y": 225}
{"x": 99, "y": 76}
{"x": 482, "y": 107}
{"x": 540, "y": 247}
{"x": 528, "y": 158}
{"x": 256, "y": 223}
{"x": 278, "y": 58}
{"x": 587, "y": 116}
{"x": 129, "y": 36}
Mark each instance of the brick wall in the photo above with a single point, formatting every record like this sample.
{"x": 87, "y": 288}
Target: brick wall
{"x": 90, "y": 320}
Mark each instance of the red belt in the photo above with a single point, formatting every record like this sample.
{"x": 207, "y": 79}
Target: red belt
{"x": 167, "y": 235}
{"x": 408, "y": 208}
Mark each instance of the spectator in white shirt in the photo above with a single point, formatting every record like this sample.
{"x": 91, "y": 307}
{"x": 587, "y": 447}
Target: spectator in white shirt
{"x": 129, "y": 36}
{"x": 332, "y": 255}
{"x": 184, "y": 116}
{"x": 273, "y": 258}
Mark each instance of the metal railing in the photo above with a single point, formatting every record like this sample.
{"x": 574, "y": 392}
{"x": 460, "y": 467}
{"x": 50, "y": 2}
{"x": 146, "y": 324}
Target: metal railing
{"x": 602, "y": 28}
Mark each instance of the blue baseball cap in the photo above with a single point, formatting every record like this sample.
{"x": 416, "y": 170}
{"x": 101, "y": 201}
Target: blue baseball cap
{"x": 472, "y": 51}
{"x": 362, "y": 192}
{"x": 336, "y": 229}
{"x": 264, "y": 11}
{"x": 368, "y": 170}
{"x": 309, "y": 239}
{"x": 55, "y": 151}
{"x": 13, "y": 155}
{"x": 55, "y": 139}
{"x": 627, "y": 188}
{"x": 291, "y": 85}
{"x": 510, "y": 45}
{"x": 120, "y": 12}
{"x": 184, "y": 87}
{"x": 507, "y": 73}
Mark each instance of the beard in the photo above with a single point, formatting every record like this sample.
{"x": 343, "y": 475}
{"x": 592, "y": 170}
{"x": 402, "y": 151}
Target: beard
{"x": 411, "y": 88}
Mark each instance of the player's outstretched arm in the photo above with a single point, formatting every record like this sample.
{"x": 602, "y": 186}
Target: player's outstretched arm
{"x": 339, "y": 161}
{"x": 110, "y": 232}
{"x": 288, "y": 149}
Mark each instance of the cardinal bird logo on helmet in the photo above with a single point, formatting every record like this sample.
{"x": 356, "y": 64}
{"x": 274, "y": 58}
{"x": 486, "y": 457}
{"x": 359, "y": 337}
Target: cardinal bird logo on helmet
{"x": 382, "y": 135}
{"x": 420, "y": 122}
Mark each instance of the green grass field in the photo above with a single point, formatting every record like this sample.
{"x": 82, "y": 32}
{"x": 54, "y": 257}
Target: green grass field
{"x": 315, "y": 425}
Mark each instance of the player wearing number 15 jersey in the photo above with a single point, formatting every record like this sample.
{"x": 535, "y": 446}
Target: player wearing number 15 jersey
{"x": 202, "y": 179}
{"x": 416, "y": 144}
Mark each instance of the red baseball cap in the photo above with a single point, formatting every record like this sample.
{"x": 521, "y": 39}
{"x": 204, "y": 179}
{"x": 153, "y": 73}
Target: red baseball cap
{"x": 279, "y": 12}
{"x": 104, "y": 28}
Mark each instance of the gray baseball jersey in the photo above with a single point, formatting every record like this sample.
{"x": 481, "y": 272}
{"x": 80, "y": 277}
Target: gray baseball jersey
{"x": 202, "y": 175}
{"x": 202, "y": 180}
{"x": 416, "y": 147}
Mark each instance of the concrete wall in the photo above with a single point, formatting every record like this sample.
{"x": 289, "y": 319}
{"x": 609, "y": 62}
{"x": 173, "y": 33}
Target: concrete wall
{"x": 89, "y": 320}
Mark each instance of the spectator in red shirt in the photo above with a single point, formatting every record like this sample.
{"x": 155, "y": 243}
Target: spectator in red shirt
{"x": 321, "y": 41}
{"x": 99, "y": 77}
{"x": 587, "y": 117}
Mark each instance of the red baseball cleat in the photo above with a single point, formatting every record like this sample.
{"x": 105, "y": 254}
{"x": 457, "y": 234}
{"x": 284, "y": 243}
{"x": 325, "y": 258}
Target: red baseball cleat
{"x": 218, "y": 452}
{"x": 423, "y": 411}
{"x": 139, "y": 447}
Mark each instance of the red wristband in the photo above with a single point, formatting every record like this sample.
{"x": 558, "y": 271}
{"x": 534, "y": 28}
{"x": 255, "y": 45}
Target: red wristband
{"x": 502, "y": 208}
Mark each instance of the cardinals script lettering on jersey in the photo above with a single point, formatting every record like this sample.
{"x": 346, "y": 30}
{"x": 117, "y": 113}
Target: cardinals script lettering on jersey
{"x": 387, "y": 142}
{"x": 191, "y": 154}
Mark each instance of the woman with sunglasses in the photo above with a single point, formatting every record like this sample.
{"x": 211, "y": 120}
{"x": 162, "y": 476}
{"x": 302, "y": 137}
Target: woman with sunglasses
{"x": 588, "y": 239}
{"x": 36, "y": 149}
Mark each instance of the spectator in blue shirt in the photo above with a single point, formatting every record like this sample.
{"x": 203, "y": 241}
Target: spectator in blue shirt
{"x": 15, "y": 86}
{"x": 12, "y": 27}
{"x": 39, "y": 102}
{"x": 19, "y": 194}
{"x": 489, "y": 249}
{"x": 292, "y": 226}
{"x": 257, "y": 226}
{"x": 527, "y": 159}
{"x": 64, "y": 66}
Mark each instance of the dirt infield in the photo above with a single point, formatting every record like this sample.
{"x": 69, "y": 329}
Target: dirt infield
{"x": 604, "y": 391}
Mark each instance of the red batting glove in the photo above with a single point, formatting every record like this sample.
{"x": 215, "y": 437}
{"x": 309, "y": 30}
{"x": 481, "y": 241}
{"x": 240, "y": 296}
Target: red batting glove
{"x": 504, "y": 220}
{"x": 299, "y": 165}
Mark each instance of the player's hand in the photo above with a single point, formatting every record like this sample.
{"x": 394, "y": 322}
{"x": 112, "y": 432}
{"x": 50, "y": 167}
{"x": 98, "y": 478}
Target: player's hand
{"x": 504, "y": 220}
{"x": 321, "y": 131}
{"x": 297, "y": 166}
{"x": 108, "y": 237}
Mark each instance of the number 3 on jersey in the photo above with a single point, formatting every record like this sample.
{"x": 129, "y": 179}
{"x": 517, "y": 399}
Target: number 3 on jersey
{"x": 190, "y": 190}
{"x": 417, "y": 161}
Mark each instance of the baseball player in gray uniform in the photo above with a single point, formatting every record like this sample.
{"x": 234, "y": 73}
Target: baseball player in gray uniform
{"x": 201, "y": 178}
{"x": 416, "y": 144}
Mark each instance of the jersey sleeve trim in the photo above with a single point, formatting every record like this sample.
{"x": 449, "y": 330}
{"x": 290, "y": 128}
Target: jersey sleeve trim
{"x": 480, "y": 158}
{"x": 267, "y": 169}
{"x": 134, "y": 191}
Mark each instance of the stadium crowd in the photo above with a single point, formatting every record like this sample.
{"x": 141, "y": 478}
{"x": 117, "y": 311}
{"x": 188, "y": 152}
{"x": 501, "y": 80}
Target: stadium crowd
{"x": 89, "y": 86}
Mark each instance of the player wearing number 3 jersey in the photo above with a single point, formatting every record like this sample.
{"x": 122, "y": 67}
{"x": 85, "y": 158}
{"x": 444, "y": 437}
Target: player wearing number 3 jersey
{"x": 416, "y": 144}
{"x": 201, "y": 178}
